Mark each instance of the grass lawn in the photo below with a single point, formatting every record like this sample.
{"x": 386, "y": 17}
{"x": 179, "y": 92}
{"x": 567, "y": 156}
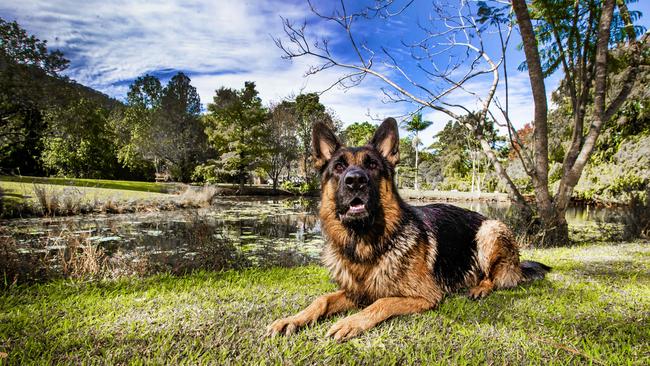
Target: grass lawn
{"x": 592, "y": 309}
{"x": 19, "y": 192}
{"x": 93, "y": 183}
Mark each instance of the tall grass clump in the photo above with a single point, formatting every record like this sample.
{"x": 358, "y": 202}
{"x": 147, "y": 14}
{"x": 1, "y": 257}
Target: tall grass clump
{"x": 81, "y": 259}
{"x": 47, "y": 199}
{"x": 71, "y": 202}
{"x": 67, "y": 201}
{"x": 111, "y": 205}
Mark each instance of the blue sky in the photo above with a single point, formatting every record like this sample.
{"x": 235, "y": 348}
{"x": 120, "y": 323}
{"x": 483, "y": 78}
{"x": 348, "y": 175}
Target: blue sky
{"x": 224, "y": 43}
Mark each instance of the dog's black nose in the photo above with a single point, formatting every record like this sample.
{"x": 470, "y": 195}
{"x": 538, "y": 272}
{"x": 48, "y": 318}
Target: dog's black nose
{"x": 356, "y": 179}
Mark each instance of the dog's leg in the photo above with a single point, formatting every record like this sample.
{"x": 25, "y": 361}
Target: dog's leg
{"x": 498, "y": 258}
{"x": 323, "y": 306}
{"x": 376, "y": 313}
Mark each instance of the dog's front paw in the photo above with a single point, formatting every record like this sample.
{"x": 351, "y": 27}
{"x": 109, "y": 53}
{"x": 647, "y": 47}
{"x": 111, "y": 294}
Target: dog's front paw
{"x": 481, "y": 290}
{"x": 285, "y": 326}
{"x": 349, "y": 327}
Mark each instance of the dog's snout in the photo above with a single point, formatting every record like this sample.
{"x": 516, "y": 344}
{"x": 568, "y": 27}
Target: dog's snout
{"x": 356, "y": 179}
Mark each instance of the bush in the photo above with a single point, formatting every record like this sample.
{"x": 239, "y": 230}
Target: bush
{"x": 627, "y": 184}
{"x": 525, "y": 185}
{"x": 555, "y": 173}
{"x": 455, "y": 183}
{"x": 300, "y": 188}
{"x": 205, "y": 173}
{"x": 586, "y": 196}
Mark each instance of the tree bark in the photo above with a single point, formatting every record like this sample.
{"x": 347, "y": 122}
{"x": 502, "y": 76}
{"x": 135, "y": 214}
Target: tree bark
{"x": 416, "y": 160}
{"x": 540, "y": 176}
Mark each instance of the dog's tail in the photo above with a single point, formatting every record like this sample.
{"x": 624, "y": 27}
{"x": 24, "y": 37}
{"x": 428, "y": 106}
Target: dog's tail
{"x": 534, "y": 270}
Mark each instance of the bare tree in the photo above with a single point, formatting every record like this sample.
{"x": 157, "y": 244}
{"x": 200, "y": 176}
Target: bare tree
{"x": 460, "y": 37}
{"x": 461, "y": 40}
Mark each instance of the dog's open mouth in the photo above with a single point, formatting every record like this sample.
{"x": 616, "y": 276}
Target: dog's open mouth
{"x": 357, "y": 207}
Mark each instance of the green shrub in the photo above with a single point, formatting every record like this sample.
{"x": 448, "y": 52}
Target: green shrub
{"x": 586, "y": 195}
{"x": 525, "y": 185}
{"x": 205, "y": 173}
{"x": 627, "y": 184}
{"x": 300, "y": 188}
{"x": 455, "y": 183}
{"x": 555, "y": 173}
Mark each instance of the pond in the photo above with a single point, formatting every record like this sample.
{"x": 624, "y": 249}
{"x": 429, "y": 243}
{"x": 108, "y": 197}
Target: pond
{"x": 232, "y": 233}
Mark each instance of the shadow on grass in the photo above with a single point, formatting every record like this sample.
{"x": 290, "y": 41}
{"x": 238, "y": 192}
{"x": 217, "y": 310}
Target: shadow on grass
{"x": 614, "y": 270}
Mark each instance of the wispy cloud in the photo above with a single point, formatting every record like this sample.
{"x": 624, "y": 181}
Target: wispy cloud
{"x": 217, "y": 43}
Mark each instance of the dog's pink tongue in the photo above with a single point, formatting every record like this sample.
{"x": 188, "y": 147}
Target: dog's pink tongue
{"x": 357, "y": 208}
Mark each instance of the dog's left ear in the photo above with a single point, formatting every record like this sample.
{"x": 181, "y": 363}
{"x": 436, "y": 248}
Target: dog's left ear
{"x": 324, "y": 144}
{"x": 386, "y": 140}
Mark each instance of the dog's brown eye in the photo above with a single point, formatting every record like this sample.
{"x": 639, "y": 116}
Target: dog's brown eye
{"x": 372, "y": 165}
{"x": 339, "y": 168}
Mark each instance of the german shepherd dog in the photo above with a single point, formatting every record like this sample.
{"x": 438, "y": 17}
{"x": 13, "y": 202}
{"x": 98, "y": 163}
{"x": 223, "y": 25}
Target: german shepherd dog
{"x": 388, "y": 257}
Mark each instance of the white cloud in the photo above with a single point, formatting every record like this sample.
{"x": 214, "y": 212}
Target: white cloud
{"x": 219, "y": 43}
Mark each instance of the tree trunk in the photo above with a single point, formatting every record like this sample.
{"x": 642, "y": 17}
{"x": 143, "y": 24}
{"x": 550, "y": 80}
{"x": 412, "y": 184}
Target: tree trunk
{"x": 305, "y": 167}
{"x": 416, "y": 161}
{"x": 552, "y": 224}
{"x": 473, "y": 170}
{"x": 536, "y": 76}
{"x": 555, "y": 230}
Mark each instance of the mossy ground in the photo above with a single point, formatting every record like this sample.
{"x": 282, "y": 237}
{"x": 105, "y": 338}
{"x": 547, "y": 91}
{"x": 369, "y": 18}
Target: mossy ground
{"x": 592, "y": 309}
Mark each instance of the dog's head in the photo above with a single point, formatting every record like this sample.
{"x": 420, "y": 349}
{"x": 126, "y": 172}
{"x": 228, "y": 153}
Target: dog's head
{"x": 357, "y": 182}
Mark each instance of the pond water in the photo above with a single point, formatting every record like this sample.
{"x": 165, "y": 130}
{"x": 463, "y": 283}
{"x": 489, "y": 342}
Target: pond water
{"x": 234, "y": 232}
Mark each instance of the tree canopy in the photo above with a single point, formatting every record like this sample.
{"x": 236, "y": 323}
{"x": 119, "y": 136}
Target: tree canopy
{"x": 161, "y": 126}
{"x": 358, "y": 133}
{"x": 236, "y": 130}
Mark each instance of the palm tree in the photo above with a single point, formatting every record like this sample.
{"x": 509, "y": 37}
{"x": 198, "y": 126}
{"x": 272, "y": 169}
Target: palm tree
{"x": 414, "y": 126}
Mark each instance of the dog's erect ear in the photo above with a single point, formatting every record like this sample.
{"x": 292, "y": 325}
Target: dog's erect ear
{"x": 386, "y": 140}
{"x": 324, "y": 144}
